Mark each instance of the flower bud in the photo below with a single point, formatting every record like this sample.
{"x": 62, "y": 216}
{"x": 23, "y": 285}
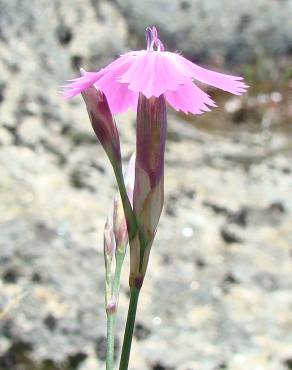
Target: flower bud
{"x": 149, "y": 173}
{"x": 109, "y": 238}
{"x": 120, "y": 225}
{"x": 103, "y": 123}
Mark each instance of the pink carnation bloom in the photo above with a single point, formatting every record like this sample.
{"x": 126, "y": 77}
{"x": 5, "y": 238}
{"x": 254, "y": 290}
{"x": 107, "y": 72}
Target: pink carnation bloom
{"x": 154, "y": 72}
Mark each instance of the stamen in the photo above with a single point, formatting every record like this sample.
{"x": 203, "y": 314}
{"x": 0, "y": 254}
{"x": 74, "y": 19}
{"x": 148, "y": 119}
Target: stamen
{"x": 152, "y": 39}
{"x": 160, "y": 46}
{"x": 154, "y": 33}
{"x": 149, "y": 38}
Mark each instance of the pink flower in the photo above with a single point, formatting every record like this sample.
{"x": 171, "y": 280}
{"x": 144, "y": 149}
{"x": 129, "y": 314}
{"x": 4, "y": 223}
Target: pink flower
{"x": 154, "y": 72}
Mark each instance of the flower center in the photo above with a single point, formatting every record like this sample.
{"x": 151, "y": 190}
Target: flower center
{"x": 153, "y": 40}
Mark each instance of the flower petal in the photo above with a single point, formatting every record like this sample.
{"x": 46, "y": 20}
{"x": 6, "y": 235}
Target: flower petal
{"x": 232, "y": 84}
{"x": 119, "y": 97}
{"x": 152, "y": 74}
{"x": 189, "y": 99}
{"x": 124, "y": 58}
{"x": 80, "y": 84}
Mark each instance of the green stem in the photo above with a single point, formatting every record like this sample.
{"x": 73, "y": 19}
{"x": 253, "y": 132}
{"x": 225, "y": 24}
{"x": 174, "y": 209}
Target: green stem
{"x": 129, "y": 330}
{"x": 129, "y": 214}
{"x": 111, "y": 315}
{"x": 110, "y": 340}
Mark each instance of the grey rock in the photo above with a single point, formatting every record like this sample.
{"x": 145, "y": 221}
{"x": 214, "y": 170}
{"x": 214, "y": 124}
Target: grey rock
{"x": 206, "y": 303}
{"x": 236, "y": 31}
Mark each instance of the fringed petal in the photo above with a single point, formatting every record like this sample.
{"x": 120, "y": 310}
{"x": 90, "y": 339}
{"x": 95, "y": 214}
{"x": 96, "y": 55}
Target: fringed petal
{"x": 79, "y": 84}
{"x": 232, "y": 84}
{"x": 151, "y": 74}
{"x": 189, "y": 99}
{"x": 119, "y": 97}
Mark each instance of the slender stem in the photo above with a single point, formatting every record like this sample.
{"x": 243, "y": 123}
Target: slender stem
{"x": 129, "y": 214}
{"x": 112, "y": 311}
{"x": 129, "y": 330}
{"x": 110, "y": 340}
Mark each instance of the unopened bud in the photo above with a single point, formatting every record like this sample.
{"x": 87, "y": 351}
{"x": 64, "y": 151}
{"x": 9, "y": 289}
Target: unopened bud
{"x": 109, "y": 238}
{"x": 103, "y": 123}
{"x": 149, "y": 172}
{"x": 120, "y": 225}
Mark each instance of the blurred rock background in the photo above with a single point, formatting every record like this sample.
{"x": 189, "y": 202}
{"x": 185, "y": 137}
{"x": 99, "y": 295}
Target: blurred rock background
{"x": 218, "y": 292}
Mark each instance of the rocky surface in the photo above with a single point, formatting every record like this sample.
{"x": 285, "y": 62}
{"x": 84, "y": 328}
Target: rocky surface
{"x": 218, "y": 290}
{"x": 235, "y": 31}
